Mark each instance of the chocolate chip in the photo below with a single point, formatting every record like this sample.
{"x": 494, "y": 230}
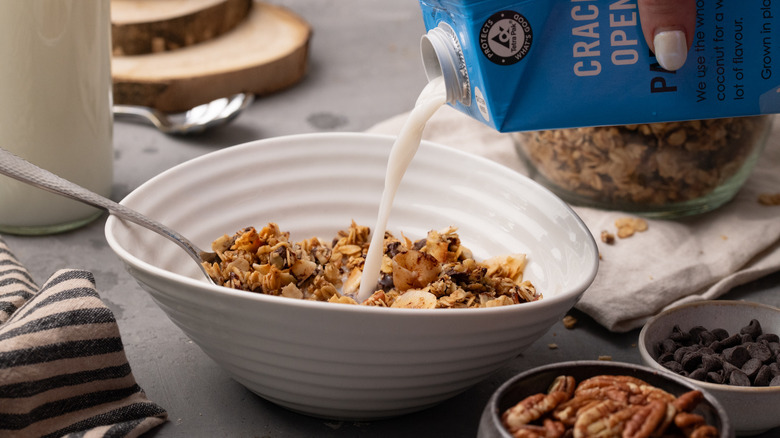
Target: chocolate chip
{"x": 759, "y": 350}
{"x": 728, "y": 368}
{"x": 769, "y": 337}
{"x": 458, "y": 277}
{"x": 698, "y": 374}
{"x": 392, "y": 248}
{"x": 751, "y": 367}
{"x": 673, "y": 366}
{"x": 706, "y": 350}
{"x": 774, "y": 347}
{"x": 714, "y": 377}
{"x": 691, "y": 361}
{"x": 666, "y": 357}
{"x": 711, "y": 362}
{"x": 386, "y": 282}
{"x": 763, "y": 377}
{"x": 775, "y": 381}
{"x": 736, "y": 356}
{"x": 679, "y": 336}
{"x": 774, "y": 368}
{"x": 753, "y": 329}
{"x": 731, "y": 341}
{"x": 695, "y": 333}
{"x": 707, "y": 338}
{"x": 680, "y": 353}
{"x": 738, "y": 378}
{"x": 720, "y": 333}
{"x": 667, "y": 346}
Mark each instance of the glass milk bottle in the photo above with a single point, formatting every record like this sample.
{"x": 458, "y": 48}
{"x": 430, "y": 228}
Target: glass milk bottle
{"x": 55, "y": 107}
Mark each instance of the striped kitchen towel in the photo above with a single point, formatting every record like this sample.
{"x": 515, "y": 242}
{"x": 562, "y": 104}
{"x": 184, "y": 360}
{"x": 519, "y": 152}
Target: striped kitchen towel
{"x": 63, "y": 370}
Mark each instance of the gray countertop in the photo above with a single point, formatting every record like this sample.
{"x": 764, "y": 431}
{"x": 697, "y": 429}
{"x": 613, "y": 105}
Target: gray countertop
{"x": 364, "y": 68}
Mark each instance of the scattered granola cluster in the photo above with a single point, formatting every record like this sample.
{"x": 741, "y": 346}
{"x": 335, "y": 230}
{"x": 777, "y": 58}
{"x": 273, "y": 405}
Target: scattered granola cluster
{"x": 626, "y": 227}
{"x": 648, "y": 164}
{"x": 770, "y": 199}
{"x": 607, "y": 405}
{"x": 435, "y": 272}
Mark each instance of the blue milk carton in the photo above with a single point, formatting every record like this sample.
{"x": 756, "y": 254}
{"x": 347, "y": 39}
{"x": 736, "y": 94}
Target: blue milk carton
{"x": 545, "y": 64}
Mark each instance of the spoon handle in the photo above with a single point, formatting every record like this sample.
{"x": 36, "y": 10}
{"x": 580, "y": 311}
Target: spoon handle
{"x": 22, "y": 170}
{"x": 143, "y": 114}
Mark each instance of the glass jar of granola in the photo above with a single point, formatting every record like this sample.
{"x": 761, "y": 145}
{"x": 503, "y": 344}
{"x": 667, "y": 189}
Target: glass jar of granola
{"x": 669, "y": 169}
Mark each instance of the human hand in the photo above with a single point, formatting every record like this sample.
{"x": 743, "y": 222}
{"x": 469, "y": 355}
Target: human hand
{"x": 668, "y": 27}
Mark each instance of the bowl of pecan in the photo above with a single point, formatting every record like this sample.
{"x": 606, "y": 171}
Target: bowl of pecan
{"x": 478, "y": 263}
{"x": 663, "y": 170}
{"x": 731, "y": 349}
{"x": 600, "y": 398}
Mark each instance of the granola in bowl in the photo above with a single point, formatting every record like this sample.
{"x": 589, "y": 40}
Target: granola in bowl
{"x": 658, "y": 169}
{"x": 434, "y": 272}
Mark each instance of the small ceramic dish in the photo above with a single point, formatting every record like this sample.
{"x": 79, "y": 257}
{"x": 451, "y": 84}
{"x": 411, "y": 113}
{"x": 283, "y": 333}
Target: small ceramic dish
{"x": 537, "y": 380}
{"x": 753, "y": 409}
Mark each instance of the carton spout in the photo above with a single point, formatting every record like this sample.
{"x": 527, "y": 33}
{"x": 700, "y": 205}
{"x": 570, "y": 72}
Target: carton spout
{"x": 442, "y": 56}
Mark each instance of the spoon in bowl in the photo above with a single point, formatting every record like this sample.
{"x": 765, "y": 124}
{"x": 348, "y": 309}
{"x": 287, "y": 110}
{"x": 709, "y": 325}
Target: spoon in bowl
{"x": 198, "y": 119}
{"x": 22, "y": 170}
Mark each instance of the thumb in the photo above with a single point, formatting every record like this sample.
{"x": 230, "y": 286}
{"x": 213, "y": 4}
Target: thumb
{"x": 668, "y": 27}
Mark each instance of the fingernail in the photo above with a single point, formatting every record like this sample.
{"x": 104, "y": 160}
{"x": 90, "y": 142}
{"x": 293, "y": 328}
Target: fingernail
{"x": 671, "y": 49}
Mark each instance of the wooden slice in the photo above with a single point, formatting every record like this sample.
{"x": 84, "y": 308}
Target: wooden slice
{"x": 264, "y": 54}
{"x": 150, "y": 26}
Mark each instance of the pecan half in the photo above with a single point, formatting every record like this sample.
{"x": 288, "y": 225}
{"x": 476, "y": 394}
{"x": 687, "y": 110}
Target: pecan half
{"x": 531, "y": 409}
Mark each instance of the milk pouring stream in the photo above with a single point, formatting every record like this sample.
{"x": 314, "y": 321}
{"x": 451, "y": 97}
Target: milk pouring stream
{"x": 55, "y": 107}
{"x": 546, "y": 64}
{"x": 404, "y": 148}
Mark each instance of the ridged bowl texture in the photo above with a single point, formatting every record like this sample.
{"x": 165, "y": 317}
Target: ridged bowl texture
{"x": 340, "y": 361}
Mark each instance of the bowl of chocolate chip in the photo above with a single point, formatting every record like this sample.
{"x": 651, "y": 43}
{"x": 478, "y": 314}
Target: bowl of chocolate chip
{"x": 730, "y": 349}
{"x": 602, "y": 399}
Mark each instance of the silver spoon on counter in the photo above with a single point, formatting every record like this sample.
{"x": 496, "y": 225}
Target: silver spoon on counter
{"x": 198, "y": 119}
{"x": 22, "y": 170}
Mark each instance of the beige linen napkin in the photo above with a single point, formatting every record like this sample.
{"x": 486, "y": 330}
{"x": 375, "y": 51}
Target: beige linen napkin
{"x": 63, "y": 369}
{"x": 673, "y": 261}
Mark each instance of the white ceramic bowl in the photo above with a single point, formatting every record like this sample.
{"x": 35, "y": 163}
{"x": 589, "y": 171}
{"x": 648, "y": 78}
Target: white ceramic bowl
{"x": 752, "y": 410}
{"x": 538, "y": 379}
{"x": 342, "y": 361}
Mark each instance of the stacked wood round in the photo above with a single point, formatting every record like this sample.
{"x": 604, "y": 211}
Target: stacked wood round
{"x": 176, "y": 54}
